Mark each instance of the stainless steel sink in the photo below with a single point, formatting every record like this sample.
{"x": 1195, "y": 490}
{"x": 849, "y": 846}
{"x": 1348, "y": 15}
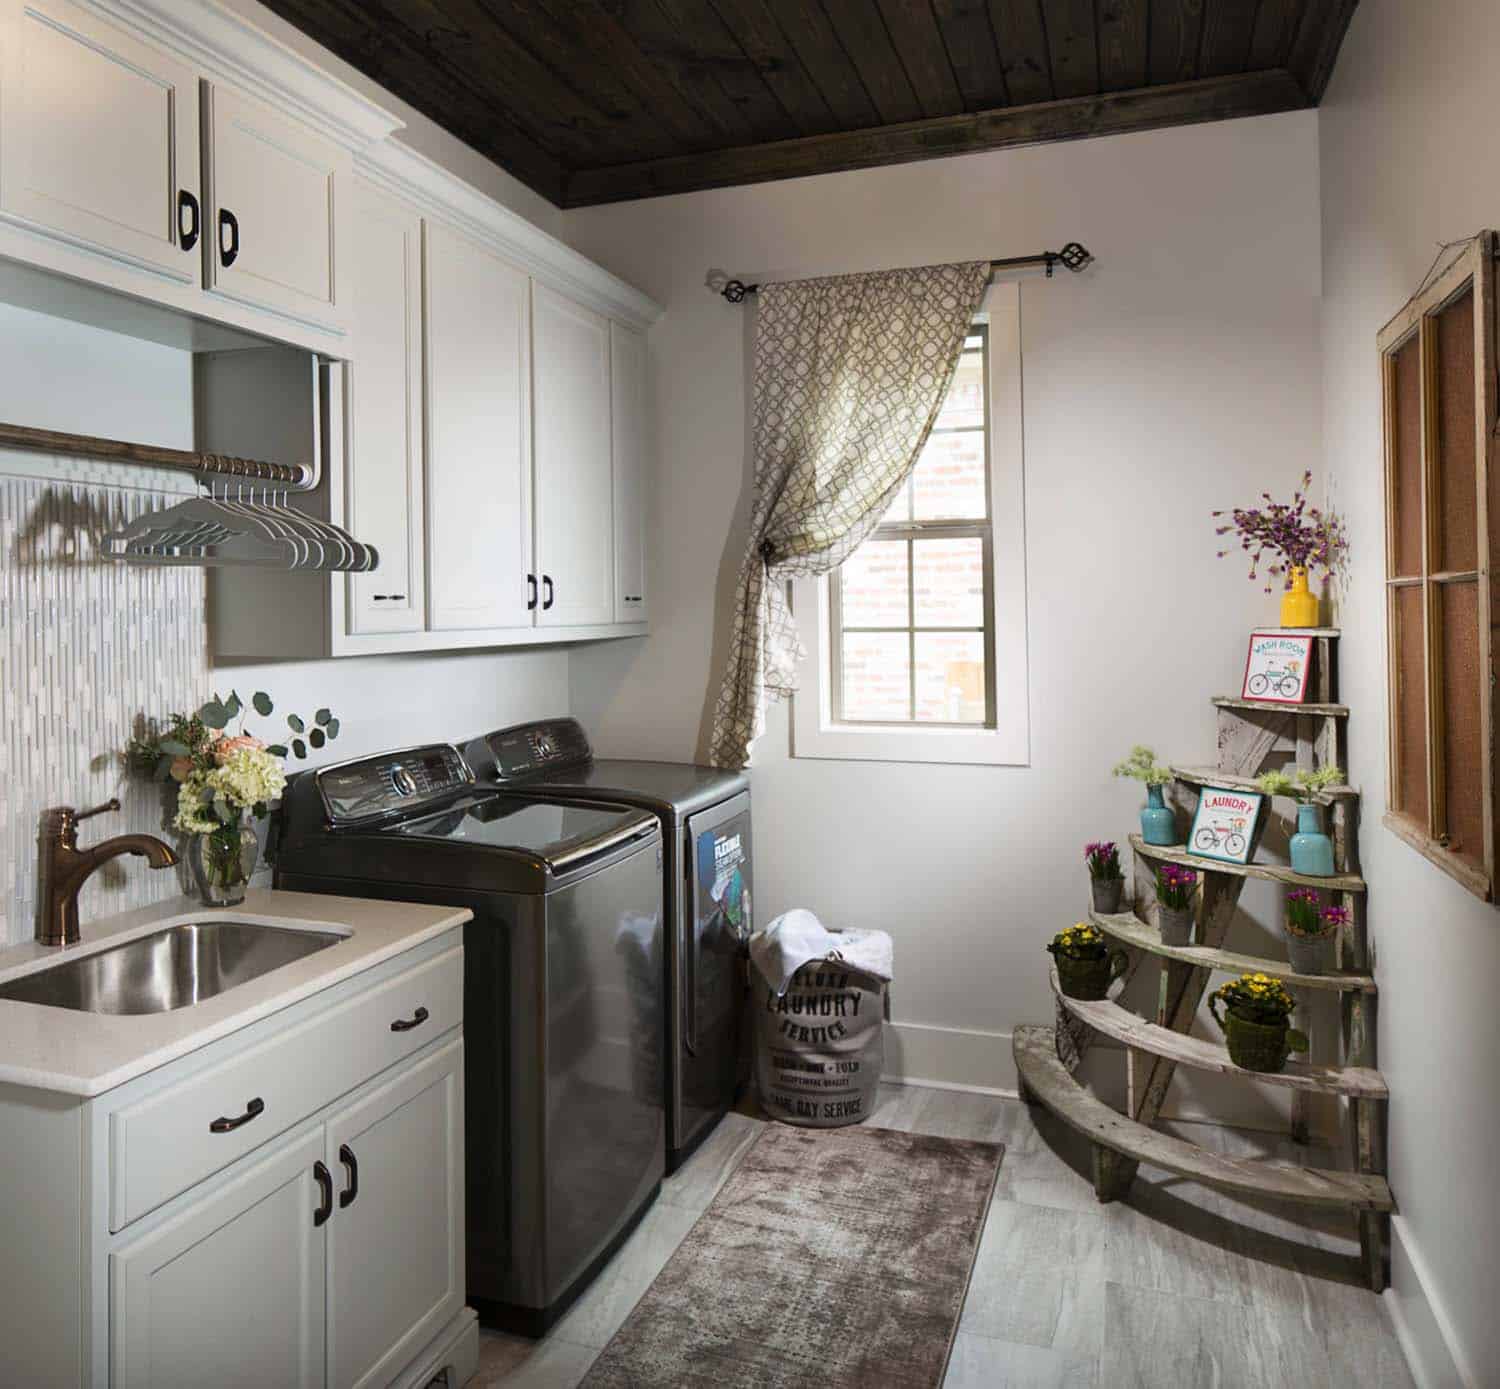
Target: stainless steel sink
{"x": 174, "y": 968}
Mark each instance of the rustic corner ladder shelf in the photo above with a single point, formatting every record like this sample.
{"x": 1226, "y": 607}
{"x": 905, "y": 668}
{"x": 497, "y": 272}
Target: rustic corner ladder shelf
{"x": 1047, "y": 1057}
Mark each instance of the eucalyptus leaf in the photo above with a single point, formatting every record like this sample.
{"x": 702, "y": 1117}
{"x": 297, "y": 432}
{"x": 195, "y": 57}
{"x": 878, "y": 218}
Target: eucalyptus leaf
{"x": 295, "y": 724}
{"x": 299, "y": 748}
{"x": 261, "y": 702}
{"x": 233, "y": 706}
{"x": 317, "y": 738}
{"x": 172, "y": 747}
{"x": 322, "y": 717}
{"x": 333, "y": 728}
{"x": 214, "y": 714}
{"x": 163, "y": 771}
{"x": 277, "y": 749}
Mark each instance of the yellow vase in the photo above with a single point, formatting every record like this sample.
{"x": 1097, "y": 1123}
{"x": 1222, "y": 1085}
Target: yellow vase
{"x": 1299, "y": 604}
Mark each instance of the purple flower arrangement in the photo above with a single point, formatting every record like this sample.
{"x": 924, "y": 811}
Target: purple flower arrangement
{"x": 1103, "y": 859}
{"x": 1303, "y": 918}
{"x": 1174, "y": 886}
{"x": 1285, "y": 536}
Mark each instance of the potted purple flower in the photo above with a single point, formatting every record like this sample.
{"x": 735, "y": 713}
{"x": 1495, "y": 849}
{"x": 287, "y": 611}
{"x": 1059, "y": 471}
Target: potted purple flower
{"x": 1311, "y": 932}
{"x": 1290, "y": 540}
{"x": 1106, "y": 881}
{"x": 1175, "y": 886}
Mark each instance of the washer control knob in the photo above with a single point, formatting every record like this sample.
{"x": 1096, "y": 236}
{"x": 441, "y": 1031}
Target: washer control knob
{"x": 404, "y": 782}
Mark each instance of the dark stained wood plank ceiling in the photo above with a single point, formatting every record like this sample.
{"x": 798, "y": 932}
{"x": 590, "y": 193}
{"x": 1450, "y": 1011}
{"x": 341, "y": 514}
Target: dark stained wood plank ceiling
{"x": 593, "y": 101}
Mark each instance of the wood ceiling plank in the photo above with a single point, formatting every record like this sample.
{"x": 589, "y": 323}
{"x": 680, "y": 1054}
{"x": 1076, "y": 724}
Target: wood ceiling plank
{"x": 778, "y": 65}
{"x": 862, "y": 32}
{"x": 374, "y": 43}
{"x": 914, "y": 32}
{"x": 1073, "y": 46}
{"x": 1275, "y": 30}
{"x": 1124, "y": 30}
{"x": 1150, "y": 108}
{"x": 1316, "y": 46}
{"x": 965, "y": 27}
{"x": 1228, "y": 31}
{"x": 811, "y": 35}
{"x": 665, "y": 45}
{"x": 719, "y": 54}
{"x": 1021, "y": 38}
{"x": 1176, "y": 27}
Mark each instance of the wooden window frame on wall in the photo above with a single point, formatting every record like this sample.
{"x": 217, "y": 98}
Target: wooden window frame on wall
{"x": 1471, "y": 269}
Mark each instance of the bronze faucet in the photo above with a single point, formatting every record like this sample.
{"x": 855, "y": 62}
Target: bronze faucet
{"x": 65, "y": 867}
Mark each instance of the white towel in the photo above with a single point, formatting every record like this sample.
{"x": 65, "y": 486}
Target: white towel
{"x": 797, "y": 937}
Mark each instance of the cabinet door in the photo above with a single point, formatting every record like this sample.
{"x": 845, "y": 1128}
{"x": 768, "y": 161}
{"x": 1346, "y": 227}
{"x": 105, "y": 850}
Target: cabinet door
{"x": 383, "y": 478}
{"x": 272, "y": 211}
{"x": 100, "y": 137}
{"x": 478, "y": 436}
{"x": 574, "y": 502}
{"x": 627, "y": 353}
{"x": 230, "y": 1292}
{"x": 396, "y": 1242}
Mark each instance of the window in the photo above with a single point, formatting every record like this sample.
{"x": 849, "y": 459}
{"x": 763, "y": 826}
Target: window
{"x": 919, "y": 639}
{"x": 1438, "y": 371}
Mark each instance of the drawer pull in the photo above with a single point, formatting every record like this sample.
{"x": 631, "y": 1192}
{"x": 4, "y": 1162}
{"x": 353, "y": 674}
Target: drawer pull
{"x": 224, "y": 1124}
{"x": 406, "y": 1024}
{"x": 324, "y": 1179}
{"x": 230, "y": 223}
{"x": 347, "y": 1195}
{"x": 187, "y": 236}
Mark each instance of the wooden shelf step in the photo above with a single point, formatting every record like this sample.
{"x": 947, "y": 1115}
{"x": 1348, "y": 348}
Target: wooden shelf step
{"x": 1134, "y": 1031}
{"x": 1212, "y": 776}
{"x": 1272, "y": 872}
{"x": 1282, "y": 706}
{"x": 1131, "y": 930}
{"x": 1046, "y": 1080}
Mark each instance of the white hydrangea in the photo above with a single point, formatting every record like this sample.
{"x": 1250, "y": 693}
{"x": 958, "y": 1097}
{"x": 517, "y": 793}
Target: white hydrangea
{"x": 247, "y": 777}
{"x": 194, "y": 812}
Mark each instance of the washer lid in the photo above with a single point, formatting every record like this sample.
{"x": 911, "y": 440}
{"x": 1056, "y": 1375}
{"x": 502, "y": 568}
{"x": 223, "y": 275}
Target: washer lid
{"x": 671, "y": 787}
{"x": 555, "y": 833}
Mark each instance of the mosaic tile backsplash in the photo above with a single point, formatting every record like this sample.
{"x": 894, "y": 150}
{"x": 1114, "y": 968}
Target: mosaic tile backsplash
{"x": 87, "y": 648}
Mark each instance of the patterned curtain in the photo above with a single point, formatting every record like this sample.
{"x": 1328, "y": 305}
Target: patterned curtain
{"x": 850, "y": 373}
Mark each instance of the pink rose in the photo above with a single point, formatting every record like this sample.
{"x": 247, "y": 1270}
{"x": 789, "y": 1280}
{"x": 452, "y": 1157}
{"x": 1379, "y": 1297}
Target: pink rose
{"x": 182, "y": 768}
{"x": 225, "y": 748}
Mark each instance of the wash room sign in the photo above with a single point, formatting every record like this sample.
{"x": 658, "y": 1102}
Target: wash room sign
{"x": 1276, "y": 668}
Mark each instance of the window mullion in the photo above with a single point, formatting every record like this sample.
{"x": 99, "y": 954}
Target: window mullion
{"x": 1437, "y": 807}
{"x": 911, "y": 627}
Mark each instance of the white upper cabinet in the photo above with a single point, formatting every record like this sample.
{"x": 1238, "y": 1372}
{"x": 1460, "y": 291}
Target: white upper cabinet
{"x": 574, "y": 489}
{"x": 273, "y": 214}
{"x": 383, "y": 484}
{"x": 99, "y": 138}
{"x": 478, "y": 436}
{"x": 628, "y": 406}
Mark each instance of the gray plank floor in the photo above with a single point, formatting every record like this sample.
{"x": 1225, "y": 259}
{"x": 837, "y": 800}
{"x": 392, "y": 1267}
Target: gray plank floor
{"x": 1177, "y": 1286}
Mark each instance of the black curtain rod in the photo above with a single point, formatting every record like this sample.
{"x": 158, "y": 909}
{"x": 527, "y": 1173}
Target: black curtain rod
{"x": 1074, "y": 256}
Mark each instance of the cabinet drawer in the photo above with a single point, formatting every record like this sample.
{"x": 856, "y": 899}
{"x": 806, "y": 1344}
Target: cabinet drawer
{"x": 163, "y": 1144}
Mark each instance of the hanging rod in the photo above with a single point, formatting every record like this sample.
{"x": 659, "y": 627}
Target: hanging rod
{"x": 1074, "y": 256}
{"x": 20, "y": 436}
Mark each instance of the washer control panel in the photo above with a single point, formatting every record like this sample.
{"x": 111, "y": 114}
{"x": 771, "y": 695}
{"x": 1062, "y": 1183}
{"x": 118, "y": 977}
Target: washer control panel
{"x": 535, "y": 747}
{"x": 395, "y": 781}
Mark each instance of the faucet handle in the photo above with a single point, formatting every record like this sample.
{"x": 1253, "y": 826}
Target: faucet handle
{"x": 61, "y": 822}
{"x": 112, "y": 803}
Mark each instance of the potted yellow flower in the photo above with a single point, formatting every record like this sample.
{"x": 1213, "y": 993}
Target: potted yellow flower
{"x": 1086, "y": 966}
{"x": 1256, "y": 1021}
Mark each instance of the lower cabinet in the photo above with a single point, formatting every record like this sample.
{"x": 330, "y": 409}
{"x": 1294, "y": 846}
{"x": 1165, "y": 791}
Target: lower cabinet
{"x": 333, "y": 1260}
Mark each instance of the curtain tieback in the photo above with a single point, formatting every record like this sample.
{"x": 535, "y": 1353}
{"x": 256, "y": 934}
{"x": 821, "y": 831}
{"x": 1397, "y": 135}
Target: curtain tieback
{"x": 767, "y": 551}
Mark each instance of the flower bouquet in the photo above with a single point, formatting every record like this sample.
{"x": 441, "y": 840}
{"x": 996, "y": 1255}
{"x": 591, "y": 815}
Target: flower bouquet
{"x": 1256, "y": 1017}
{"x": 223, "y": 781}
{"x": 1158, "y": 823}
{"x": 1310, "y": 848}
{"x": 1086, "y": 966}
{"x": 1106, "y": 881}
{"x": 1175, "y": 886}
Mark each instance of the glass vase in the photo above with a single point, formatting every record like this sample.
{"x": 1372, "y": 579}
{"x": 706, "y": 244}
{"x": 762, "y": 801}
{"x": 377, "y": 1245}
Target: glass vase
{"x": 223, "y": 862}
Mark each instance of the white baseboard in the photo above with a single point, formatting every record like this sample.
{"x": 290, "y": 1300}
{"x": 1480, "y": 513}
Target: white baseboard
{"x": 1426, "y": 1333}
{"x": 949, "y": 1058}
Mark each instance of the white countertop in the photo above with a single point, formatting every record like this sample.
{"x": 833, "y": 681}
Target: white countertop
{"x": 77, "y": 1053}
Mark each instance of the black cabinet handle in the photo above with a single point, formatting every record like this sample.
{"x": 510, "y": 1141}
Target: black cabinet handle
{"x": 324, "y": 1179}
{"x": 224, "y": 1124}
{"x": 406, "y": 1024}
{"x": 347, "y": 1195}
{"x": 389, "y": 597}
{"x": 530, "y": 592}
{"x": 188, "y": 235}
{"x": 547, "y": 586}
{"x": 230, "y": 223}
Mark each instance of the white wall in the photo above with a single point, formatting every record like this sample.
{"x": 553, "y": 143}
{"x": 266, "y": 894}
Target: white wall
{"x": 1179, "y": 374}
{"x": 1405, "y": 136}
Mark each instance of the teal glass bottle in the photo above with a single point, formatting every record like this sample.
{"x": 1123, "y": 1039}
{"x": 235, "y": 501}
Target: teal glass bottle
{"x": 1158, "y": 824}
{"x": 1311, "y": 849}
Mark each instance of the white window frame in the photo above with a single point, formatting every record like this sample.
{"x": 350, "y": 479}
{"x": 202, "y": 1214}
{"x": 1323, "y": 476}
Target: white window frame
{"x": 814, "y": 732}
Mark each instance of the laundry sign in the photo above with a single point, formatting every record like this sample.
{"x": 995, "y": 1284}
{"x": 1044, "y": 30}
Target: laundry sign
{"x": 1277, "y": 667}
{"x": 1225, "y": 823}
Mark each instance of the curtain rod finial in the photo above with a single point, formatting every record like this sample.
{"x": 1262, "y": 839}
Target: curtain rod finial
{"x": 1074, "y": 255}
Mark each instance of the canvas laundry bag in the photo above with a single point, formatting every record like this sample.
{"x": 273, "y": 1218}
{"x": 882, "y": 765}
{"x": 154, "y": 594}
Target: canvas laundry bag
{"x": 821, "y": 1003}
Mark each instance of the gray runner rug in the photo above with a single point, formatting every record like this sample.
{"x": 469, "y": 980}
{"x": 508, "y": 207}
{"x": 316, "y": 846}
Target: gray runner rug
{"x": 834, "y": 1257}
